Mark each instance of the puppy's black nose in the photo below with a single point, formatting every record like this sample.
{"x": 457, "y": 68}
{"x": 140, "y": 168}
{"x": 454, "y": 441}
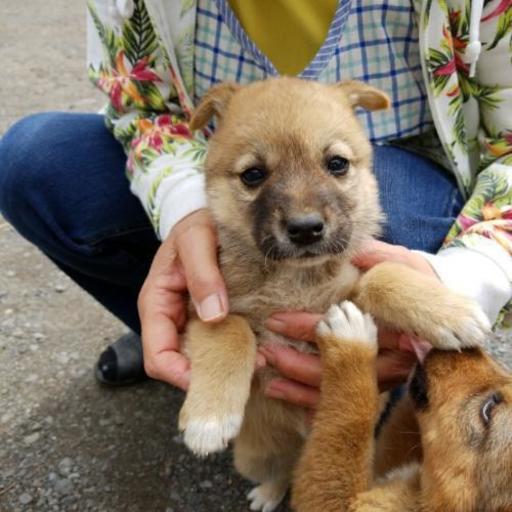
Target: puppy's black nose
{"x": 306, "y": 229}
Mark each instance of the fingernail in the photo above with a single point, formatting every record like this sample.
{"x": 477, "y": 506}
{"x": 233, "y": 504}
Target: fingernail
{"x": 261, "y": 361}
{"x": 269, "y": 355}
{"x": 211, "y": 308}
{"x": 274, "y": 324}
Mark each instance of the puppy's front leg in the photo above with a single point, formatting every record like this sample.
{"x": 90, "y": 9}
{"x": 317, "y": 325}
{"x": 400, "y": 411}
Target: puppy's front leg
{"x": 336, "y": 464}
{"x": 222, "y": 364}
{"x": 418, "y": 304}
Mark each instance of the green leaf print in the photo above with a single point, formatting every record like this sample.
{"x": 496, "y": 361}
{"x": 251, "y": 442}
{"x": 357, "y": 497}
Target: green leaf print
{"x": 106, "y": 34}
{"x": 487, "y": 95}
{"x": 139, "y": 39}
{"x": 196, "y": 151}
{"x": 504, "y": 26}
{"x": 152, "y": 97}
{"x": 436, "y": 60}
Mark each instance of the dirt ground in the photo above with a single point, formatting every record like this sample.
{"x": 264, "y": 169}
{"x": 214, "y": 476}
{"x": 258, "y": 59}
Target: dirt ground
{"x": 68, "y": 444}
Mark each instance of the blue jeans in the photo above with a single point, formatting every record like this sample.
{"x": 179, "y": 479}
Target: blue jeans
{"x": 63, "y": 187}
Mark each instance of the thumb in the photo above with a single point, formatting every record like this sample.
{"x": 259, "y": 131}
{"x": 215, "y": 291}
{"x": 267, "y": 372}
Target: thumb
{"x": 197, "y": 250}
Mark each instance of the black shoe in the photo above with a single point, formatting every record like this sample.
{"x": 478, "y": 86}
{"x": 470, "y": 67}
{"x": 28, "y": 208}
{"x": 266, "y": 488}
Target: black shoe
{"x": 121, "y": 363}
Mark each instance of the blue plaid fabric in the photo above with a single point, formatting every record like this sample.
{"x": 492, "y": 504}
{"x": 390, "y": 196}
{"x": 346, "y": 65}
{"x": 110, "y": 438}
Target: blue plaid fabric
{"x": 376, "y": 42}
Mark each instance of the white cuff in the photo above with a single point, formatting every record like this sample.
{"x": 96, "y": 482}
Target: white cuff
{"x": 181, "y": 199}
{"x": 474, "y": 275}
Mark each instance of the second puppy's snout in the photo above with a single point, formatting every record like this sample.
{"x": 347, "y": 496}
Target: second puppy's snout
{"x": 305, "y": 229}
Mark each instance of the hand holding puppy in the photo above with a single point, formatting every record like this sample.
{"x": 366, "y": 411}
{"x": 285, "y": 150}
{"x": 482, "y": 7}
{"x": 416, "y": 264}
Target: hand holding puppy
{"x": 302, "y": 372}
{"x": 162, "y": 308}
{"x": 185, "y": 262}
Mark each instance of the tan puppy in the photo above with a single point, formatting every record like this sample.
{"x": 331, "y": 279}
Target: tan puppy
{"x": 457, "y": 419}
{"x": 291, "y": 190}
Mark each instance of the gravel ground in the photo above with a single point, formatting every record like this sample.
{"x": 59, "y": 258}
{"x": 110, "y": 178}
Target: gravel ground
{"x": 66, "y": 443}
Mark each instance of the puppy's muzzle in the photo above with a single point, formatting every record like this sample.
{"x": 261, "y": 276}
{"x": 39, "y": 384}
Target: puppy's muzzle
{"x": 305, "y": 229}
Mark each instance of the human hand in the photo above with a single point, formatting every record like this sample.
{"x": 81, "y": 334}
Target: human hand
{"x": 185, "y": 262}
{"x": 375, "y": 251}
{"x": 302, "y": 373}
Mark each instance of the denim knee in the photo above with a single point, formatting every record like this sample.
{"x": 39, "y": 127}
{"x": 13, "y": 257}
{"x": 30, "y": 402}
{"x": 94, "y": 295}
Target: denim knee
{"x": 25, "y": 164}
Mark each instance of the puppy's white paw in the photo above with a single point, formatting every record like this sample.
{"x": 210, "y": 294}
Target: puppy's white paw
{"x": 473, "y": 327}
{"x": 209, "y": 435}
{"x": 466, "y": 326}
{"x": 348, "y": 323}
{"x": 267, "y": 496}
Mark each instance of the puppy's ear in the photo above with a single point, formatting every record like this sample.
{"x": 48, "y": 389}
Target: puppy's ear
{"x": 363, "y": 95}
{"x": 213, "y": 103}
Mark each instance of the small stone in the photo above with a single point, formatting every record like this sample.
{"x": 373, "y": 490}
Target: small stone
{"x": 9, "y": 311}
{"x": 64, "y": 486}
{"x": 74, "y": 356}
{"x": 32, "y": 438}
{"x": 8, "y": 416}
{"x": 63, "y": 358}
{"x": 60, "y": 288}
{"x": 65, "y": 466}
{"x": 32, "y": 377}
{"x": 7, "y": 473}
{"x": 118, "y": 420}
{"x": 25, "y": 498}
{"x": 11, "y": 273}
{"x": 206, "y": 484}
{"x": 38, "y": 336}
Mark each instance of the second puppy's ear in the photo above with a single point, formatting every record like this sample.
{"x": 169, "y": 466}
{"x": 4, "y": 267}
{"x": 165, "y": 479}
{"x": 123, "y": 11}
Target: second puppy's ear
{"x": 213, "y": 103}
{"x": 360, "y": 94}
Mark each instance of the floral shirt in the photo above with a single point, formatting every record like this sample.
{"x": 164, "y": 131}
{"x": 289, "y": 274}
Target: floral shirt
{"x": 141, "y": 54}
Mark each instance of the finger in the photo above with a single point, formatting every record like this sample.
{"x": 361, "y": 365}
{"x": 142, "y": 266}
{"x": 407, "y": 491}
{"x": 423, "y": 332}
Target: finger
{"x": 375, "y": 251}
{"x": 393, "y": 368}
{"x": 162, "y": 360}
{"x": 166, "y": 264}
{"x": 197, "y": 249}
{"x": 260, "y": 361}
{"x": 297, "y": 325}
{"x": 294, "y": 393}
{"x": 170, "y": 367}
{"x": 297, "y": 366}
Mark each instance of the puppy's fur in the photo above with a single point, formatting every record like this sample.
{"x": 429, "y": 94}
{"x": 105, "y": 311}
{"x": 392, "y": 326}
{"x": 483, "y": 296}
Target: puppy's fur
{"x": 447, "y": 446}
{"x": 291, "y": 130}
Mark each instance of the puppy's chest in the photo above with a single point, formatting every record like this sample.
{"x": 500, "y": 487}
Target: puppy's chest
{"x": 289, "y": 291}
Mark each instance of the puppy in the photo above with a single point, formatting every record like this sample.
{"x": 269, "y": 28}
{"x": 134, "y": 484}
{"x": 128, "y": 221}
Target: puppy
{"x": 290, "y": 188}
{"x": 447, "y": 447}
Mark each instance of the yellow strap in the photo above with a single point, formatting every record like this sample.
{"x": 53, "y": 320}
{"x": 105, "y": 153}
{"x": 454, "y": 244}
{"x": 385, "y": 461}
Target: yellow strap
{"x": 288, "y": 32}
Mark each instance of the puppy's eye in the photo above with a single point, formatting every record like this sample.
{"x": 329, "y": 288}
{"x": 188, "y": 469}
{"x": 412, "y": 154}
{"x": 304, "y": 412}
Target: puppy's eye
{"x": 488, "y": 407}
{"x": 338, "y": 166}
{"x": 253, "y": 176}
